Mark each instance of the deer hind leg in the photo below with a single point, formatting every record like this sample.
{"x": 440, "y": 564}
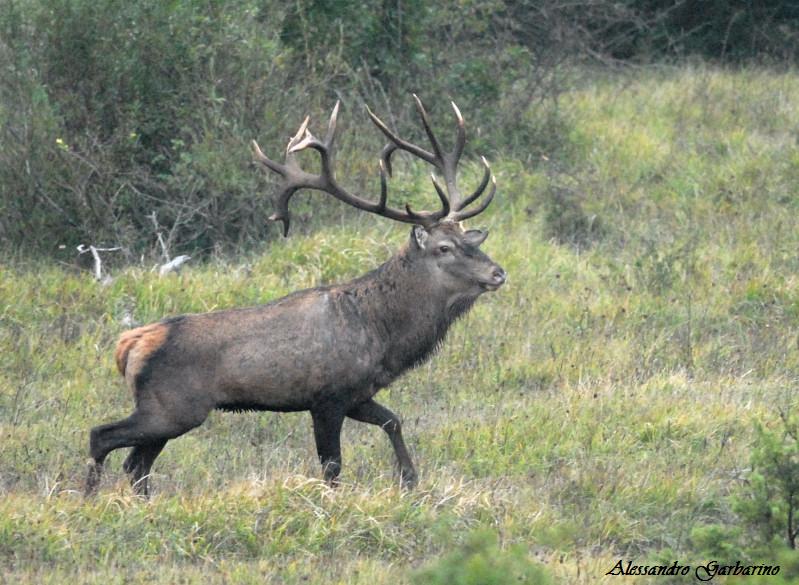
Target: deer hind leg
{"x": 375, "y": 414}
{"x": 327, "y": 433}
{"x": 141, "y": 431}
{"x": 138, "y": 465}
{"x": 104, "y": 439}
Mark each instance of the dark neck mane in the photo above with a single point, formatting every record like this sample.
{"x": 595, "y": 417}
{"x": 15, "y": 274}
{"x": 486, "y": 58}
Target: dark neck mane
{"x": 411, "y": 312}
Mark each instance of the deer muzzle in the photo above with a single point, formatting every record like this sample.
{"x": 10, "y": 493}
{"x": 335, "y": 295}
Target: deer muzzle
{"x": 497, "y": 279}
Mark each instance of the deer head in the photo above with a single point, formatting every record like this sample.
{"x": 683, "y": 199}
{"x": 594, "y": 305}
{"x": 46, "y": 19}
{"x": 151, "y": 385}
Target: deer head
{"x": 438, "y": 240}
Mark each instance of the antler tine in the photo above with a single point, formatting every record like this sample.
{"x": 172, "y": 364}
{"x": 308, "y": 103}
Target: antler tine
{"x": 305, "y": 139}
{"x": 301, "y": 136}
{"x": 266, "y": 161}
{"x": 428, "y": 130}
{"x": 294, "y": 178}
{"x": 431, "y": 216}
{"x": 480, "y": 188}
{"x": 463, "y": 215}
{"x": 381, "y": 205}
{"x": 460, "y": 140}
{"x": 385, "y": 156}
{"x": 331, "y": 125}
{"x": 283, "y": 214}
{"x": 400, "y": 143}
{"x": 445, "y": 203}
{"x": 325, "y": 148}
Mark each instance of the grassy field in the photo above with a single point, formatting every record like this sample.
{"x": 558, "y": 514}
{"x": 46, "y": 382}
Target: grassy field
{"x": 601, "y": 406}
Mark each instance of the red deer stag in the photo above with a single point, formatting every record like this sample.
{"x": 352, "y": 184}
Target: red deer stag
{"x": 327, "y": 350}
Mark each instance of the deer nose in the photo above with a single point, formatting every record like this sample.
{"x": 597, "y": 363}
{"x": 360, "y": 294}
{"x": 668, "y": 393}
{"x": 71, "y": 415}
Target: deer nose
{"x": 499, "y": 276}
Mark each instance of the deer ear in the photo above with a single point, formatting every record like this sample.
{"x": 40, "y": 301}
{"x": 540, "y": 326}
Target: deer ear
{"x": 419, "y": 236}
{"x": 475, "y": 237}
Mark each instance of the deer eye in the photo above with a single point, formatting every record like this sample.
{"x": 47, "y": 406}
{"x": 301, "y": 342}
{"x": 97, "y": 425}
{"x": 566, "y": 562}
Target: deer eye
{"x": 444, "y": 248}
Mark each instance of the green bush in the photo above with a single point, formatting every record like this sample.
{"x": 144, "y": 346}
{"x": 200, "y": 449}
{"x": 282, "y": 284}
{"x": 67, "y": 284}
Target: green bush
{"x": 480, "y": 561}
{"x": 106, "y": 111}
{"x": 769, "y": 501}
{"x": 788, "y": 561}
{"x": 718, "y": 542}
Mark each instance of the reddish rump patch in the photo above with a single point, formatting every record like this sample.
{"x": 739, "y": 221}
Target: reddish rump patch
{"x": 142, "y": 341}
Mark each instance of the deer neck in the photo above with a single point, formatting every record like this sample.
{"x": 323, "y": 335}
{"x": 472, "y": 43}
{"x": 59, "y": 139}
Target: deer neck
{"x": 410, "y": 313}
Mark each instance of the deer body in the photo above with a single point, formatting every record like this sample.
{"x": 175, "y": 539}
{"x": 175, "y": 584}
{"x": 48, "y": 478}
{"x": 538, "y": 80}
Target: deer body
{"x": 303, "y": 349}
{"x": 327, "y": 350}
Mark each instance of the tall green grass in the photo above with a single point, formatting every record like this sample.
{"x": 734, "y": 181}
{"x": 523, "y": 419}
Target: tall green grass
{"x": 599, "y": 406}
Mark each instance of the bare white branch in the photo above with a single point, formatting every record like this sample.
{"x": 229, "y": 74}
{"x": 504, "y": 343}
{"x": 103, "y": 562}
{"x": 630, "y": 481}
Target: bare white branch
{"x": 173, "y": 265}
{"x": 98, "y": 263}
{"x": 160, "y": 236}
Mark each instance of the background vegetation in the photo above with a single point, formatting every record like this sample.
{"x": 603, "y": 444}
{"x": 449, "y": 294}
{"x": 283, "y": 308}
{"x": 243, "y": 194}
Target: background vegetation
{"x": 111, "y": 111}
{"x": 630, "y": 393}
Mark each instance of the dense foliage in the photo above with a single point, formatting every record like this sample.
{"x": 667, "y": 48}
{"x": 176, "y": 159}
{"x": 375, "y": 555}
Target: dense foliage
{"x": 119, "y": 120}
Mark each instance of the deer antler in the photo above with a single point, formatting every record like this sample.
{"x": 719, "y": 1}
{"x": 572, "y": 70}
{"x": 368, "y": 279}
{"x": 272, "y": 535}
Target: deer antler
{"x": 445, "y": 162}
{"x": 294, "y": 178}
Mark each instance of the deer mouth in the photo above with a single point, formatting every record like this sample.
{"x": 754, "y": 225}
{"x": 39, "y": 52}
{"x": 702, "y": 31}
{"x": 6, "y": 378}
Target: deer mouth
{"x": 491, "y": 286}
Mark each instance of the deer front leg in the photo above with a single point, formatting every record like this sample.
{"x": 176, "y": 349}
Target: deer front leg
{"x": 327, "y": 432}
{"x": 373, "y": 413}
